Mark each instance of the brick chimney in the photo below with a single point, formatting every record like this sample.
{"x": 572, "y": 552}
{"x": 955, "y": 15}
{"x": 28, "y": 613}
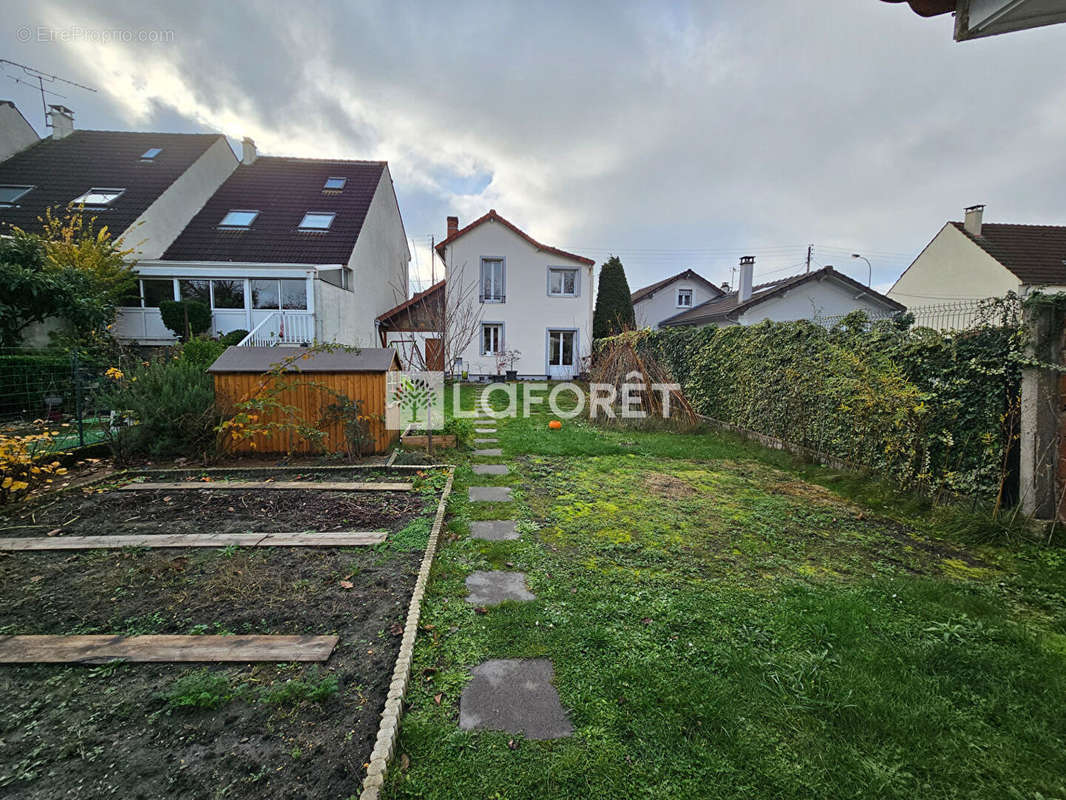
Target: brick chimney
{"x": 973, "y": 220}
{"x": 61, "y": 119}
{"x": 248, "y": 152}
{"x": 747, "y": 271}
{"x": 453, "y": 225}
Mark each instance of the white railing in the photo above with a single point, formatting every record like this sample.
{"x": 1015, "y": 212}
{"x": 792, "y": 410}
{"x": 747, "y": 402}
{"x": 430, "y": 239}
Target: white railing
{"x": 282, "y": 328}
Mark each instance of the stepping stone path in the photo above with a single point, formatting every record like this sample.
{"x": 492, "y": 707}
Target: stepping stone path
{"x": 490, "y": 494}
{"x": 514, "y": 695}
{"x": 490, "y": 469}
{"x": 492, "y": 588}
{"x": 491, "y": 451}
{"x": 494, "y": 530}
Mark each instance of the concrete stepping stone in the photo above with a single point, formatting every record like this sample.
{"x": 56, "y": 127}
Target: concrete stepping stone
{"x": 489, "y": 451}
{"x": 492, "y": 588}
{"x": 490, "y": 469}
{"x": 494, "y": 530}
{"x": 486, "y": 441}
{"x": 490, "y": 494}
{"x": 514, "y": 695}
{"x": 485, "y": 430}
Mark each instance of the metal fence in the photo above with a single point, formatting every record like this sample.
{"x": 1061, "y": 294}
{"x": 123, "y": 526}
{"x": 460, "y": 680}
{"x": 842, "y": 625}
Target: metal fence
{"x": 54, "y": 391}
{"x": 959, "y": 315}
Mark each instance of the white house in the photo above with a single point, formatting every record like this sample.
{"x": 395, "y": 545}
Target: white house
{"x": 974, "y": 260}
{"x": 291, "y": 250}
{"x": 15, "y": 132}
{"x": 824, "y": 293}
{"x": 524, "y": 298}
{"x": 671, "y": 296}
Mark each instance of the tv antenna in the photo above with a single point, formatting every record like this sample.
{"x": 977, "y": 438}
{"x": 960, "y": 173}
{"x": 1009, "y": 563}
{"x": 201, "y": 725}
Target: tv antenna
{"x": 36, "y": 79}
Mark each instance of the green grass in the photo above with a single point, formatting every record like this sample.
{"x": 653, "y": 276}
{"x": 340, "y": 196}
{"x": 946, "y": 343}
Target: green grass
{"x": 725, "y": 622}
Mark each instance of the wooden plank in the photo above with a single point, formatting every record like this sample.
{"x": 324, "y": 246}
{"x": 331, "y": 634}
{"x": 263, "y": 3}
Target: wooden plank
{"x": 329, "y": 486}
{"x": 294, "y": 539}
{"x": 98, "y": 649}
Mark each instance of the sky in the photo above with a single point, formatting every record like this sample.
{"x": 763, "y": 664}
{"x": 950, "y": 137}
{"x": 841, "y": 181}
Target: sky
{"x": 675, "y": 135}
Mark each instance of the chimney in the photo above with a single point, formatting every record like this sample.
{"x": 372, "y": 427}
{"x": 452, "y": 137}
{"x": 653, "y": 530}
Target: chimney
{"x": 973, "y": 220}
{"x": 248, "y": 151}
{"x": 747, "y": 269}
{"x": 453, "y": 225}
{"x": 61, "y": 119}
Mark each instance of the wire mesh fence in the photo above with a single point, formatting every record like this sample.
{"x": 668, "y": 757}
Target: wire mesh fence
{"x": 55, "y": 392}
{"x": 960, "y": 315}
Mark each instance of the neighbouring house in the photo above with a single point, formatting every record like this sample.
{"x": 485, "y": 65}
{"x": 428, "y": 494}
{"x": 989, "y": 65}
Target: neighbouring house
{"x": 975, "y": 260}
{"x": 292, "y": 250}
{"x": 671, "y": 296}
{"x": 818, "y": 295}
{"x": 505, "y": 293}
{"x": 15, "y": 132}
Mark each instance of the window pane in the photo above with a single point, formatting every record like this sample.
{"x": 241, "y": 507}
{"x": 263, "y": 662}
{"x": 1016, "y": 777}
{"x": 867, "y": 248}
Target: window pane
{"x": 569, "y": 278}
{"x": 132, "y": 298}
{"x": 568, "y": 348}
{"x": 98, "y": 197}
{"x": 156, "y": 290}
{"x": 317, "y": 221}
{"x": 556, "y": 282}
{"x": 492, "y": 279}
{"x": 264, "y": 294}
{"x": 238, "y": 219}
{"x": 228, "y": 294}
{"x": 151, "y": 153}
{"x": 195, "y": 290}
{"x": 294, "y": 294}
{"x": 335, "y": 183}
{"x": 9, "y": 194}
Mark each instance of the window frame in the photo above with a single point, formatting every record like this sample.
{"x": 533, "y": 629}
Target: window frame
{"x": 562, "y": 285}
{"x": 13, "y": 202}
{"x": 235, "y": 227}
{"x": 327, "y": 188}
{"x": 331, "y": 215}
{"x": 677, "y": 298}
{"x": 502, "y": 295}
{"x": 499, "y": 327}
{"x": 81, "y": 200}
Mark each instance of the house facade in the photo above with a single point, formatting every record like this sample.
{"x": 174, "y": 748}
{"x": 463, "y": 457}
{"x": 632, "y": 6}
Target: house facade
{"x": 672, "y": 296}
{"x": 15, "y": 132}
{"x": 975, "y": 260}
{"x": 290, "y": 250}
{"x": 814, "y": 296}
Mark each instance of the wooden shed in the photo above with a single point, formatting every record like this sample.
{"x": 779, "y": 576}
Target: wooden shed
{"x": 309, "y": 381}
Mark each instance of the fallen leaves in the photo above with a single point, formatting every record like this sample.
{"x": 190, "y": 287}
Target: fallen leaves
{"x": 347, "y": 585}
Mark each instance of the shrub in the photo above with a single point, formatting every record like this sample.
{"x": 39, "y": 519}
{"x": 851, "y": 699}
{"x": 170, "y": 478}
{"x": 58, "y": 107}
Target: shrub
{"x": 165, "y": 408}
{"x": 201, "y": 351}
{"x": 233, "y": 338}
{"x": 461, "y": 429}
{"x": 26, "y": 462}
{"x": 174, "y": 314}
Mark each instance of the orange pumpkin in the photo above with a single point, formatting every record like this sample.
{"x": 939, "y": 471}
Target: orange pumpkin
{"x": 555, "y": 424}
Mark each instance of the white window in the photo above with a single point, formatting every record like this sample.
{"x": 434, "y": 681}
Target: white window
{"x": 317, "y": 221}
{"x": 492, "y": 277}
{"x": 684, "y": 298}
{"x": 238, "y": 219}
{"x": 9, "y": 195}
{"x": 562, "y": 282}
{"x": 334, "y": 184}
{"x": 491, "y": 339}
{"x": 151, "y": 153}
{"x": 98, "y": 197}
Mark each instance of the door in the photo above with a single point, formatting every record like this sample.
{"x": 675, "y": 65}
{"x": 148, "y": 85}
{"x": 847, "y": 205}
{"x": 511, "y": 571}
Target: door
{"x": 562, "y": 354}
{"x": 435, "y": 355}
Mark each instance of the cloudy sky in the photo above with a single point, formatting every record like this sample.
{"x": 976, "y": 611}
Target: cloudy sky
{"x": 672, "y": 134}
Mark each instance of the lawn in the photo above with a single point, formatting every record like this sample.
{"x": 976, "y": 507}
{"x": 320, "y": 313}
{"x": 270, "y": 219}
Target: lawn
{"x": 724, "y": 622}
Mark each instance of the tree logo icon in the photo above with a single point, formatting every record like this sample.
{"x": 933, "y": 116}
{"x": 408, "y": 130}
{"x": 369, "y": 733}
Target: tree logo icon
{"x": 414, "y": 400}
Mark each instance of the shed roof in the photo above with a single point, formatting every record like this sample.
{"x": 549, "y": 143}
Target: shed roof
{"x": 265, "y": 359}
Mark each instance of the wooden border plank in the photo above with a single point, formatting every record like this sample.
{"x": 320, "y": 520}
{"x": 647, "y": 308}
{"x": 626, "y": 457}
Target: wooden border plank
{"x": 99, "y": 649}
{"x": 330, "y": 486}
{"x": 294, "y": 539}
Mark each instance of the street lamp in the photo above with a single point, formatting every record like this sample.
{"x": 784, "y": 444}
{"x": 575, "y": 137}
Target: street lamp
{"x": 869, "y": 269}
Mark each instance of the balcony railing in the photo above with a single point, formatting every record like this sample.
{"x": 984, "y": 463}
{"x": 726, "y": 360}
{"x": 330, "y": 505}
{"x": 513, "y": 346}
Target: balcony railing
{"x": 282, "y": 328}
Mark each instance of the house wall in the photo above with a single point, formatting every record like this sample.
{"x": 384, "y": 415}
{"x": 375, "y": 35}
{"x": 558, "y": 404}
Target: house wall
{"x": 950, "y": 268}
{"x": 155, "y": 229}
{"x": 334, "y": 319}
{"x": 15, "y": 132}
{"x": 379, "y": 265}
{"x": 650, "y": 311}
{"x": 817, "y": 298}
{"x": 528, "y": 311}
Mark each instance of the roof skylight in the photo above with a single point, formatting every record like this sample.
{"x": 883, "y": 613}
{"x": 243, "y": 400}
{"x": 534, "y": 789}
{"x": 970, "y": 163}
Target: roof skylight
{"x": 335, "y": 184}
{"x": 238, "y": 218}
{"x": 98, "y": 197}
{"x": 317, "y": 221}
{"x": 151, "y": 153}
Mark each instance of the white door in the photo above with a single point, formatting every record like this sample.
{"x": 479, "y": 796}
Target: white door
{"x": 562, "y": 354}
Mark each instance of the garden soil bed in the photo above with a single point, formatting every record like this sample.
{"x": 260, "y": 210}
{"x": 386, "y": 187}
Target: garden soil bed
{"x": 200, "y": 731}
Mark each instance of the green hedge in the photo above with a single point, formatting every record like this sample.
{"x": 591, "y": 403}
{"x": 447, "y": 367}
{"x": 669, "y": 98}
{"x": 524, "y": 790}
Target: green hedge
{"x": 929, "y": 410}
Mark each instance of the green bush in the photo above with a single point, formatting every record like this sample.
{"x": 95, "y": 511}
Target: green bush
{"x": 173, "y": 313}
{"x": 169, "y": 405}
{"x": 930, "y": 410}
{"x": 202, "y": 351}
{"x": 233, "y": 338}
{"x": 461, "y": 429}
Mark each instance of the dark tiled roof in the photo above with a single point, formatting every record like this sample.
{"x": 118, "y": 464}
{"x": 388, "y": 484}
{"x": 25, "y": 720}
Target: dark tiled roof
{"x": 729, "y": 306}
{"x": 63, "y": 169}
{"x": 492, "y": 216}
{"x": 648, "y": 291}
{"x": 1034, "y": 253}
{"x": 264, "y": 359}
{"x": 282, "y": 190}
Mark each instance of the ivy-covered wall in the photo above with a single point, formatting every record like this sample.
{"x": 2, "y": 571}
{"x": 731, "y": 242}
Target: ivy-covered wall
{"x": 930, "y": 410}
